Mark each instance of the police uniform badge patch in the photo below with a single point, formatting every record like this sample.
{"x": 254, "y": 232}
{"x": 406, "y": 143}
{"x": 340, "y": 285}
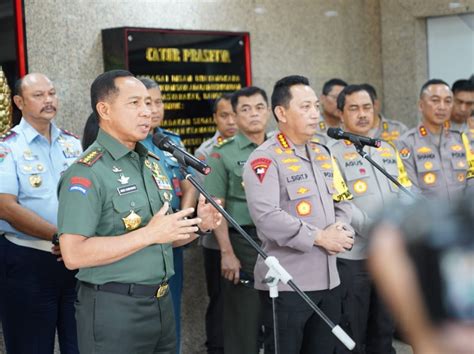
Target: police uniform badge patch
{"x": 260, "y": 167}
{"x": 303, "y": 208}
{"x": 405, "y": 153}
{"x": 429, "y": 178}
{"x": 360, "y": 187}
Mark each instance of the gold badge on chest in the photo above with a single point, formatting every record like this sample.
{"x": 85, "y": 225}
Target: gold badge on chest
{"x": 132, "y": 221}
{"x": 35, "y": 180}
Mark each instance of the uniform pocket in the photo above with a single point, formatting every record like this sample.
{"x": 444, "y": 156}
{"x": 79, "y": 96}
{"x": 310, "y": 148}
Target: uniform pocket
{"x": 130, "y": 211}
{"x": 429, "y": 172}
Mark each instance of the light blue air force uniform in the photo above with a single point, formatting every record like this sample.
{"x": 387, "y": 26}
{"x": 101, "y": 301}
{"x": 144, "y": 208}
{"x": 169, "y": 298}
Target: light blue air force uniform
{"x": 30, "y": 168}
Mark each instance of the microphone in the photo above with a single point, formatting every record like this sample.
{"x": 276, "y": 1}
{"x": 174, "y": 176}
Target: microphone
{"x": 184, "y": 157}
{"x": 338, "y": 133}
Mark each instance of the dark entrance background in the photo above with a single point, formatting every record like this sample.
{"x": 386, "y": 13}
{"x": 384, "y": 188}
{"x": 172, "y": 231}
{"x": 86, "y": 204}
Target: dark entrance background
{"x": 193, "y": 68}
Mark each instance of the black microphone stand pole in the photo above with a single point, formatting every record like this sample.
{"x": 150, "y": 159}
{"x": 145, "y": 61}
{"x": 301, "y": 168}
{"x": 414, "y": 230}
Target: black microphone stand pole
{"x": 360, "y": 149}
{"x": 277, "y": 272}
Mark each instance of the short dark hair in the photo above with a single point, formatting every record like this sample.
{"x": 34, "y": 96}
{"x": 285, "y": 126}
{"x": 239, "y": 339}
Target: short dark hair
{"x": 247, "y": 92}
{"x": 225, "y": 96}
{"x": 281, "y": 95}
{"x": 371, "y": 90}
{"x": 349, "y": 90}
{"x": 17, "y": 88}
{"x": 91, "y": 129}
{"x": 149, "y": 83}
{"x": 463, "y": 85}
{"x": 328, "y": 85}
{"x": 432, "y": 82}
{"x": 104, "y": 86}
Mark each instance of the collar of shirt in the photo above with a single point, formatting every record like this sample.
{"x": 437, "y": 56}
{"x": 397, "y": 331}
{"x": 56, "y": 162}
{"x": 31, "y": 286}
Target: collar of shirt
{"x": 115, "y": 148}
{"x": 31, "y": 133}
{"x": 243, "y": 141}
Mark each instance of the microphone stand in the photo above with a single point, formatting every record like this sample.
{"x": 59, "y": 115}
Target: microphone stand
{"x": 276, "y": 271}
{"x": 360, "y": 149}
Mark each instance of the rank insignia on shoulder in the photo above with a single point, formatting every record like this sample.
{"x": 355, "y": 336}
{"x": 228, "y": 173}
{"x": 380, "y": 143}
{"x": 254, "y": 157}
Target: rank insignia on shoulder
{"x": 223, "y": 142}
{"x": 260, "y": 167}
{"x": 67, "y": 132}
{"x": 153, "y": 155}
{"x": 7, "y": 135}
{"x": 91, "y": 158}
{"x": 405, "y": 153}
{"x": 322, "y": 125}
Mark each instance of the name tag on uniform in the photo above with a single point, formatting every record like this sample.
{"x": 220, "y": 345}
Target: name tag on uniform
{"x": 127, "y": 189}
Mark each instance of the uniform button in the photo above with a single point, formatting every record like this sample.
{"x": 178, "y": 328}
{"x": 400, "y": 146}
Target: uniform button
{"x": 132, "y": 204}
{"x": 166, "y": 253}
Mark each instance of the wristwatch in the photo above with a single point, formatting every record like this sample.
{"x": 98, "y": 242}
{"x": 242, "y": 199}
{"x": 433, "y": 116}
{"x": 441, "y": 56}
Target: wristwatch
{"x": 55, "y": 239}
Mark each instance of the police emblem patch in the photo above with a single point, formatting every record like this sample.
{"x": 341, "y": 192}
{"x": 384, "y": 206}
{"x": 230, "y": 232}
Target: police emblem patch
{"x": 405, "y": 153}
{"x": 303, "y": 208}
{"x": 260, "y": 167}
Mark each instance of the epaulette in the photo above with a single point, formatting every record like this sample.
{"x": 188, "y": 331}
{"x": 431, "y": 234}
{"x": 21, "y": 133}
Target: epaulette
{"x": 7, "y": 135}
{"x": 153, "y": 155}
{"x": 169, "y": 132}
{"x": 67, "y": 132}
{"x": 91, "y": 157}
{"x": 224, "y": 142}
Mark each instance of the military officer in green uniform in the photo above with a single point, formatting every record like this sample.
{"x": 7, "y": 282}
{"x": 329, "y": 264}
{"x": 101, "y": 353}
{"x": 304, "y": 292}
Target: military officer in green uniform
{"x": 241, "y": 316}
{"x": 114, "y": 227}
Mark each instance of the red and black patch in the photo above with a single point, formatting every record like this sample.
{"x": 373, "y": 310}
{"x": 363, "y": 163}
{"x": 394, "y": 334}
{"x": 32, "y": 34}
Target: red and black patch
{"x": 260, "y": 167}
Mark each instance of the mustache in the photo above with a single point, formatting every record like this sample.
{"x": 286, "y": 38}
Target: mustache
{"x": 48, "y": 107}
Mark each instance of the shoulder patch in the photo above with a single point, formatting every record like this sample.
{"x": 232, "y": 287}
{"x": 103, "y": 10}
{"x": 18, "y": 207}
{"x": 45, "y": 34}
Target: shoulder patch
{"x": 7, "y": 135}
{"x": 67, "y": 132}
{"x": 91, "y": 158}
{"x": 260, "y": 167}
{"x": 153, "y": 155}
{"x": 223, "y": 142}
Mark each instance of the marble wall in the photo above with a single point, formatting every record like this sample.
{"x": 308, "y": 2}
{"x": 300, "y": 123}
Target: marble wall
{"x": 287, "y": 37}
{"x": 378, "y": 41}
{"x": 404, "y": 50}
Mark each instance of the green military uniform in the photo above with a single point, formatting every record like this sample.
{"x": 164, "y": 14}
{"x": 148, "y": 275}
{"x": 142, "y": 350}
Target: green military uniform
{"x": 110, "y": 191}
{"x": 241, "y": 315}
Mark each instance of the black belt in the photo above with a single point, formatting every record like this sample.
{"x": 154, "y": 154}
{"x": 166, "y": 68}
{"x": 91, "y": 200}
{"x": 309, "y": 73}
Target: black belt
{"x": 131, "y": 289}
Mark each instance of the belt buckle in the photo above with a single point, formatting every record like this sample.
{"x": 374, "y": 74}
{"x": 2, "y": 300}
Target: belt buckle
{"x": 162, "y": 290}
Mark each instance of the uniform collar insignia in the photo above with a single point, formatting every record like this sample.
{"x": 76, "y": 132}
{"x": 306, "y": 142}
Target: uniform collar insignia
{"x": 423, "y": 131}
{"x": 284, "y": 143}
